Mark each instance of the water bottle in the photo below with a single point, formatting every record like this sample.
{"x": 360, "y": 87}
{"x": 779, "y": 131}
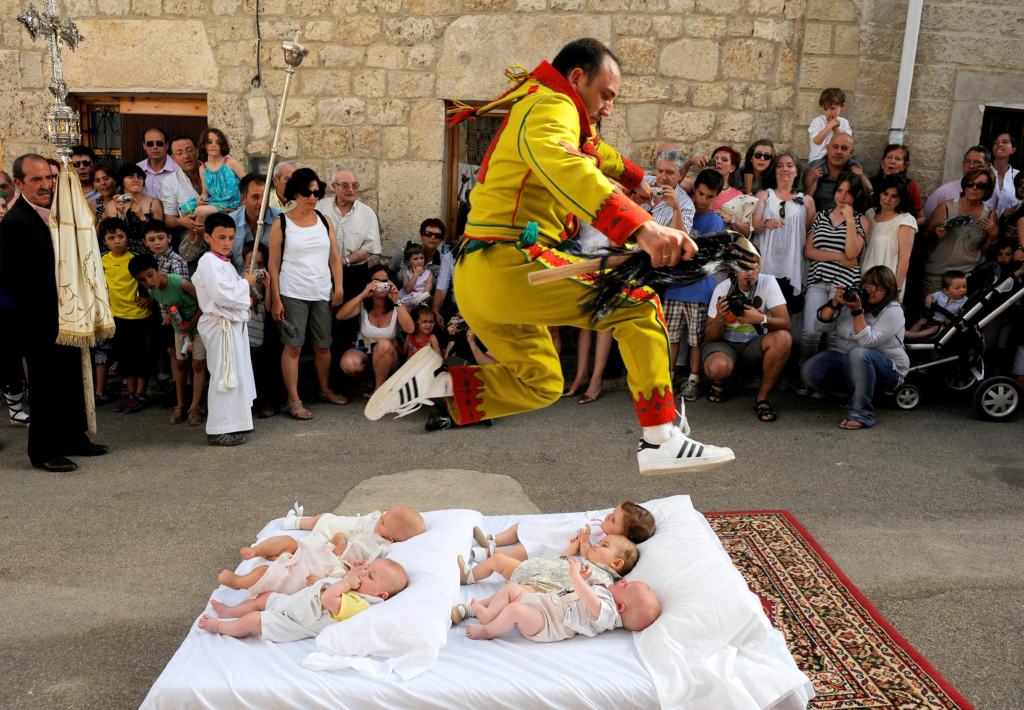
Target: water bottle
{"x": 186, "y": 338}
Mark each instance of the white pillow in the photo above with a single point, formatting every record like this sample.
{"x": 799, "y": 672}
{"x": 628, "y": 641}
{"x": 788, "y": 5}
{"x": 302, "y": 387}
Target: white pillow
{"x": 710, "y": 646}
{"x": 406, "y": 632}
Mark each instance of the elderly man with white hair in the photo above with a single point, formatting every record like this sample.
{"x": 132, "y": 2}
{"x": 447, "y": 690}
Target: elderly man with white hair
{"x": 358, "y": 233}
{"x": 674, "y": 209}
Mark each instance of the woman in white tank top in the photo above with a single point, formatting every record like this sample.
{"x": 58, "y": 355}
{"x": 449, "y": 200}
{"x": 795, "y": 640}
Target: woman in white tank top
{"x": 381, "y": 316}
{"x": 306, "y": 281}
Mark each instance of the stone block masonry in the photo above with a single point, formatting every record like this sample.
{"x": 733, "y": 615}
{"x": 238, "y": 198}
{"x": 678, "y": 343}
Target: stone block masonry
{"x": 696, "y": 73}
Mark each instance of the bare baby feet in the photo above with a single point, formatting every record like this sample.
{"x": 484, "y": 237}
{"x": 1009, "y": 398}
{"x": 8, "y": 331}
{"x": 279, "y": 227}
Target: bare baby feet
{"x": 208, "y": 623}
{"x": 219, "y": 607}
{"x": 477, "y": 632}
{"x": 247, "y": 553}
{"x": 227, "y": 578}
{"x": 481, "y": 612}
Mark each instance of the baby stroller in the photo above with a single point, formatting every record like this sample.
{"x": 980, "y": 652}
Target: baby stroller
{"x": 958, "y": 349}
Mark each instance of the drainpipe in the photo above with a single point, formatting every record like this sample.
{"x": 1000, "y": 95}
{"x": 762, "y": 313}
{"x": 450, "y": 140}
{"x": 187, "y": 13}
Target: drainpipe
{"x": 898, "y": 127}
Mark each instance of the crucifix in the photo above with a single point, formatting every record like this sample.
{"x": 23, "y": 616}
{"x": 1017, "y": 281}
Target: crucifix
{"x": 63, "y": 126}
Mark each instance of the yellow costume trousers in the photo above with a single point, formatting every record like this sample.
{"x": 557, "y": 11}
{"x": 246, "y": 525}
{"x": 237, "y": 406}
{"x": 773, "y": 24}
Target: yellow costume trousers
{"x": 511, "y": 318}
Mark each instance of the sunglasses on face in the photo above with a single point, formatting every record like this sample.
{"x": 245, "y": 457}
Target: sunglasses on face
{"x": 978, "y": 185}
{"x": 347, "y": 185}
{"x": 306, "y": 192}
{"x": 868, "y": 286}
{"x": 763, "y": 156}
{"x": 158, "y": 144}
{"x": 432, "y": 235}
{"x": 81, "y": 163}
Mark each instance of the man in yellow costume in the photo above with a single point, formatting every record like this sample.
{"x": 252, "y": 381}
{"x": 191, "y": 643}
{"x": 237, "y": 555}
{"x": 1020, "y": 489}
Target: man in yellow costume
{"x": 545, "y": 167}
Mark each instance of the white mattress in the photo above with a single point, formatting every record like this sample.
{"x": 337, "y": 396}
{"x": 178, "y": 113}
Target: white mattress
{"x": 217, "y": 672}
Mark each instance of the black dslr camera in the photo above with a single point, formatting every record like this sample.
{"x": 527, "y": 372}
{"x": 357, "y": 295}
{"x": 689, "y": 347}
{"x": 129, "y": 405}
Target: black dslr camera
{"x": 737, "y": 303}
{"x": 850, "y": 295}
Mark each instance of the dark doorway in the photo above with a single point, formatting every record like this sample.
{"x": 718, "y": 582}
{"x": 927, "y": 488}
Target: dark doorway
{"x": 1003, "y": 120}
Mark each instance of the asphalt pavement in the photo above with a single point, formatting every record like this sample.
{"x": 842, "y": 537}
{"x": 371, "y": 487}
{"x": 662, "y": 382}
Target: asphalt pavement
{"x": 103, "y": 571}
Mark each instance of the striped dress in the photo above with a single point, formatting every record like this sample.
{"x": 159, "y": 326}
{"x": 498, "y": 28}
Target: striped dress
{"x": 829, "y": 237}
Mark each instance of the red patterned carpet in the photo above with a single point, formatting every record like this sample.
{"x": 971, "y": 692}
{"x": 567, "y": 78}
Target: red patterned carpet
{"x": 853, "y": 656}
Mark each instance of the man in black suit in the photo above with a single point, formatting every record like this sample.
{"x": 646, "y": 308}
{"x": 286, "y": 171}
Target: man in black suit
{"x": 27, "y": 274}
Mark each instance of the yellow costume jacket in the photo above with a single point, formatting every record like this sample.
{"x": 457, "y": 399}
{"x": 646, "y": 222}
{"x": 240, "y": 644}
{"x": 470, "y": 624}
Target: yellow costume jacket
{"x": 544, "y": 165}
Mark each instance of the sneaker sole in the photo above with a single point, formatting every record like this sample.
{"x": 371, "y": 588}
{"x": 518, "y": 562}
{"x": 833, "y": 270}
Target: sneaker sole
{"x": 375, "y": 407}
{"x": 660, "y": 468}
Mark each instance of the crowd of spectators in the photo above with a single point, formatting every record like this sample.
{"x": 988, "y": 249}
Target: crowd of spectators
{"x": 823, "y": 228}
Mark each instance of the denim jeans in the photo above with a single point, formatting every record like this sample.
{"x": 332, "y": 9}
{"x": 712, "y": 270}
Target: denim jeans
{"x": 815, "y": 296}
{"x": 859, "y": 373}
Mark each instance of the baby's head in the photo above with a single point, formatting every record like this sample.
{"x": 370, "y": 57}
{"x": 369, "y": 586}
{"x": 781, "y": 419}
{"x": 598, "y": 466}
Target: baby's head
{"x": 615, "y": 551}
{"x": 399, "y": 523}
{"x": 631, "y": 521}
{"x": 384, "y": 578}
{"x": 832, "y": 102}
{"x": 414, "y": 255}
{"x": 954, "y": 285}
{"x": 636, "y": 603}
{"x": 1004, "y": 252}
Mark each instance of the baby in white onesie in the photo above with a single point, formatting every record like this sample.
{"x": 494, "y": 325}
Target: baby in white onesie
{"x": 334, "y": 544}
{"x": 547, "y": 536}
{"x": 554, "y": 616}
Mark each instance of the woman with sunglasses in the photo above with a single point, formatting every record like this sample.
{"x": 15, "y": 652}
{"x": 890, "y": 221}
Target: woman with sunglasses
{"x": 868, "y": 354}
{"x": 896, "y": 161}
{"x": 431, "y": 238}
{"x": 758, "y": 164}
{"x": 961, "y": 247}
{"x": 305, "y": 271}
{"x": 780, "y": 221}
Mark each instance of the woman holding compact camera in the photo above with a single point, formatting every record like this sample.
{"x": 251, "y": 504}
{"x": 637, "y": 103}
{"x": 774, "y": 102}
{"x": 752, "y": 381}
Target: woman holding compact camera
{"x": 135, "y": 208}
{"x": 833, "y": 245}
{"x": 381, "y": 315}
{"x": 868, "y": 353}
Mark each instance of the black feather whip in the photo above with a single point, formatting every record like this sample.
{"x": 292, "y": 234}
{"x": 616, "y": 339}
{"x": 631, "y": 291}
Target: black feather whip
{"x": 716, "y": 251}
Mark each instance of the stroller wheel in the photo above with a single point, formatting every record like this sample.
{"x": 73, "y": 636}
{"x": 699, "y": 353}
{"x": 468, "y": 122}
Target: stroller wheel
{"x": 998, "y": 399}
{"x": 908, "y": 397}
{"x": 958, "y": 379}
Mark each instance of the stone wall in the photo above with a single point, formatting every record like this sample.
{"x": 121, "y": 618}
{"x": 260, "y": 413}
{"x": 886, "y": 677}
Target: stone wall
{"x": 697, "y": 73}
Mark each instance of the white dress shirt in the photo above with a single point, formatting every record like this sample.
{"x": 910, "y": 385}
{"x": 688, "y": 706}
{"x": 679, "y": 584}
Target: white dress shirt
{"x": 359, "y": 229}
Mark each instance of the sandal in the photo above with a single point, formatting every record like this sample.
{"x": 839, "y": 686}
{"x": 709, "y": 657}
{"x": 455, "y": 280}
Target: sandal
{"x": 332, "y": 397}
{"x": 464, "y": 571}
{"x": 461, "y": 612}
{"x": 851, "y": 425}
{"x": 177, "y": 416}
{"x": 195, "y": 417}
{"x": 717, "y": 393}
{"x": 297, "y": 410}
{"x": 763, "y": 411}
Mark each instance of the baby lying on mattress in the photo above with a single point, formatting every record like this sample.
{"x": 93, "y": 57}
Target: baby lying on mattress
{"x": 292, "y": 617}
{"x": 335, "y": 543}
{"x": 546, "y": 536}
{"x": 555, "y": 616}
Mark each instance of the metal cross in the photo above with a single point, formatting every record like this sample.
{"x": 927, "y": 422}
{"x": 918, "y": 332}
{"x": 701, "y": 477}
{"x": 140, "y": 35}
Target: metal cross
{"x": 57, "y": 33}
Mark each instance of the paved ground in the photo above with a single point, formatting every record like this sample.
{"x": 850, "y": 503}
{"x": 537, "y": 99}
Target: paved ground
{"x": 103, "y": 571}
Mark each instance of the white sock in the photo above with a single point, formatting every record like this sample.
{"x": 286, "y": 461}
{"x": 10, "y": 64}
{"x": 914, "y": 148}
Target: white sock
{"x": 658, "y": 434}
{"x": 694, "y": 377}
{"x": 480, "y": 554}
{"x": 467, "y": 570}
{"x": 291, "y": 521}
{"x": 441, "y": 386}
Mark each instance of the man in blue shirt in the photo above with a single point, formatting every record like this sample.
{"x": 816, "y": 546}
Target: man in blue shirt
{"x": 247, "y": 216}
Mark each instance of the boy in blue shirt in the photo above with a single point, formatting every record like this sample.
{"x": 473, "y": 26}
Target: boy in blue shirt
{"x": 687, "y": 306}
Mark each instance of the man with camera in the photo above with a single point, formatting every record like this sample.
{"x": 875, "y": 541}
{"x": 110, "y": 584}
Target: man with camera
{"x": 748, "y": 326}
{"x": 671, "y": 206}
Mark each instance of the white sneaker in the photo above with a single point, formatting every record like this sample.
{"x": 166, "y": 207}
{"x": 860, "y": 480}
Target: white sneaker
{"x": 407, "y": 390}
{"x": 679, "y": 453}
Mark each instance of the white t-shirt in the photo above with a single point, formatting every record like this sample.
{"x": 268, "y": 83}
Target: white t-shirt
{"x": 767, "y": 289}
{"x": 816, "y": 127}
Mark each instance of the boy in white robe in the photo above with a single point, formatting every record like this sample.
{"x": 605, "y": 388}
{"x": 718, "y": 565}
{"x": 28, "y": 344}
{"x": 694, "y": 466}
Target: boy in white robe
{"x": 225, "y": 299}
